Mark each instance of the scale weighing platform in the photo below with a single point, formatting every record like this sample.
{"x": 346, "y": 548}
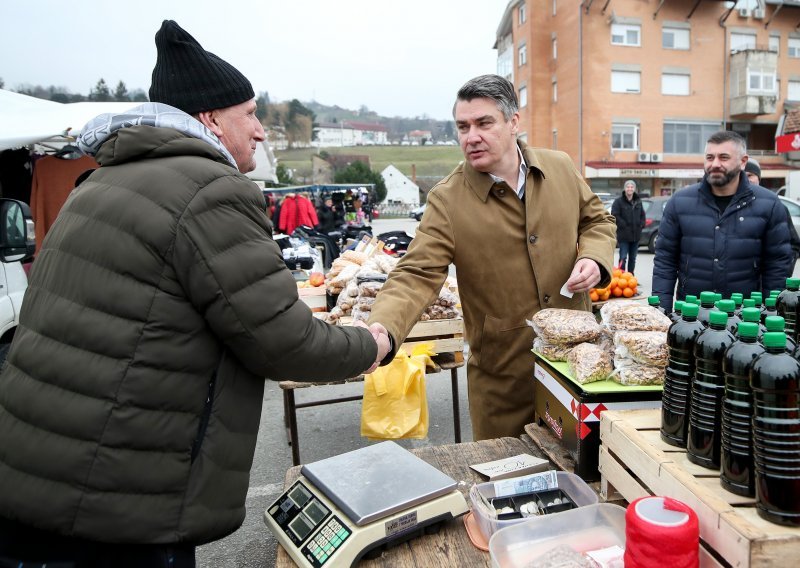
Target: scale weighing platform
{"x": 343, "y": 507}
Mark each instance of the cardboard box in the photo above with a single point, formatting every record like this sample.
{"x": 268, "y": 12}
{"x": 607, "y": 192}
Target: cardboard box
{"x": 572, "y": 411}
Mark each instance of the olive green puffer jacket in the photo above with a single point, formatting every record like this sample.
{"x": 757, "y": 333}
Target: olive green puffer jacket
{"x": 131, "y": 399}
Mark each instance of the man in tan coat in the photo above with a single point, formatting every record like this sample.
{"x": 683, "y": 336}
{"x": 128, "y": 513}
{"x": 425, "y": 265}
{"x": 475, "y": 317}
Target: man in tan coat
{"x": 518, "y": 224}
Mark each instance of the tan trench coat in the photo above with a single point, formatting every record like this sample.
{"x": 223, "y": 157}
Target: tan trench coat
{"x": 511, "y": 259}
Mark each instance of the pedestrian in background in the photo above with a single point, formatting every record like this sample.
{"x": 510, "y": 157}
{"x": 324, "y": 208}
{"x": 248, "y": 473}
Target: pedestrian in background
{"x": 753, "y": 170}
{"x": 628, "y": 211}
{"x": 723, "y": 234}
{"x": 519, "y": 224}
{"x": 131, "y": 398}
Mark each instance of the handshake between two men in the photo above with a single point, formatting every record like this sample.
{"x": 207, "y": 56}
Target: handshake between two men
{"x": 381, "y": 337}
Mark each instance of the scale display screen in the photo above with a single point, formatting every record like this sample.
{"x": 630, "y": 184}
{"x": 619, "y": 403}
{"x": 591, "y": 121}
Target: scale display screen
{"x": 300, "y": 495}
{"x": 301, "y": 527}
{"x": 316, "y": 512}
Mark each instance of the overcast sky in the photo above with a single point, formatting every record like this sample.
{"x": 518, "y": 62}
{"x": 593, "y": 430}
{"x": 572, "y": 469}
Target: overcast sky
{"x": 399, "y": 58}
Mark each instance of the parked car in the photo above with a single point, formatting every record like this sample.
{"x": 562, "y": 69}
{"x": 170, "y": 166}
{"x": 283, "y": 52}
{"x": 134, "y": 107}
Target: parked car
{"x": 794, "y": 211}
{"x": 653, "y": 210}
{"x": 417, "y": 212}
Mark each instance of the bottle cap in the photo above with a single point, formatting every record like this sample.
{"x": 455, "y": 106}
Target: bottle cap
{"x": 774, "y": 323}
{"x": 774, "y": 293}
{"x": 793, "y": 283}
{"x": 717, "y": 297}
{"x": 653, "y": 300}
{"x": 678, "y": 306}
{"x": 748, "y": 329}
{"x": 690, "y": 299}
{"x": 751, "y": 314}
{"x": 707, "y": 298}
{"x": 727, "y": 306}
{"x": 775, "y": 339}
{"x": 690, "y": 310}
{"x": 749, "y": 303}
{"x": 717, "y": 317}
{"x": 757, "y": 296}
{"x": 737, "y": 297}
{"x": 770, "y": 302}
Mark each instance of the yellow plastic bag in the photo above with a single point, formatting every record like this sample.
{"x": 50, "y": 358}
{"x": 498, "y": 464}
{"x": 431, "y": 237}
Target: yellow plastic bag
{"x": 395, "y": 403}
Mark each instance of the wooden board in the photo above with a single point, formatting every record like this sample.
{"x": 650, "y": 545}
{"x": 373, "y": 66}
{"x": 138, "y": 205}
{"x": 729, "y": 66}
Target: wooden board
{"x": 635, "y": 462}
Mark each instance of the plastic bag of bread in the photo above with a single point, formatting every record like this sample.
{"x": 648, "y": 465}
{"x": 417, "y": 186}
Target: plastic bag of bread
{"x": 446, "y": 298}
{"x": 647, "y": 347}
{"x": 605, "y": 341}
{"x": 369, "y": 286}
{"x": 610, "y": 307}
{"x": 632, "y": 373}
{"x": 636, "y": 317}
{"x": 353, "y": 256}
{"x": 341, "y": 279}
{"x": 556, "y": 325}
{"x": 552, "y": 351}
{"x": 436, "y": 312}
{"x": 589, "y": 363}
{"x": 384, "y": 262}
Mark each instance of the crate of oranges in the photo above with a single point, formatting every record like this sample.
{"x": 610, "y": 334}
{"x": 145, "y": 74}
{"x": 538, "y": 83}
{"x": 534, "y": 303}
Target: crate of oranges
{"x": 623, "y": 285}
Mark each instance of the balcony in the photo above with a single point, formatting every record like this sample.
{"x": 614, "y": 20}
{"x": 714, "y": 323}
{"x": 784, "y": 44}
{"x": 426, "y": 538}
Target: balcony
{"x": 753, "y": 89}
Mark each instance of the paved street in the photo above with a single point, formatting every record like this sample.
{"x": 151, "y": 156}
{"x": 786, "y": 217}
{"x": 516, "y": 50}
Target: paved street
{"x": 329, "y": 430}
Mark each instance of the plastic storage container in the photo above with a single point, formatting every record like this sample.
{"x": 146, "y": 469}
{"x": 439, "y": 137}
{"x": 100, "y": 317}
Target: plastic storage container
{"x": 589, "y": 528}
{"x": 575, "y": 488}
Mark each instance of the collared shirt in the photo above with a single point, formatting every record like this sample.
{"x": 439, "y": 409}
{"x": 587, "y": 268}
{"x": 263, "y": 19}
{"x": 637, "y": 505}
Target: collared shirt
{"x": 523, "y": 173}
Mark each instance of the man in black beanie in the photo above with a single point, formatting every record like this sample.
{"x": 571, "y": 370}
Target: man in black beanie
{"x": 131, "y": 397}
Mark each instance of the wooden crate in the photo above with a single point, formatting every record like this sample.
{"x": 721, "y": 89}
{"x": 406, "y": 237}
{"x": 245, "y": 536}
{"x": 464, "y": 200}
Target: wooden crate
{"x": 314, "y": 298}
{"x": 635, "y": 462}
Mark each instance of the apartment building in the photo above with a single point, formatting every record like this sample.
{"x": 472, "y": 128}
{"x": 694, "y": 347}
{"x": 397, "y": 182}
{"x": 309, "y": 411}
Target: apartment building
{"x": 631, "y": 89}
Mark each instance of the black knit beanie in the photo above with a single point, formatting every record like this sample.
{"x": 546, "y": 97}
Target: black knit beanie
{"x": 752, "y": 167}
{"x": 192, "y": 79}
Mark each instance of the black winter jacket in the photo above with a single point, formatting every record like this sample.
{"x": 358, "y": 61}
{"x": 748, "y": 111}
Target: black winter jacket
{"x": 742, "y": 249}
{"x": 132, "y": 394}
{"x": 630, "y": 218}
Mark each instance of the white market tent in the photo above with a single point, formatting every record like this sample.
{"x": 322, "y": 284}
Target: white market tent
{"x": 26, "y": 120}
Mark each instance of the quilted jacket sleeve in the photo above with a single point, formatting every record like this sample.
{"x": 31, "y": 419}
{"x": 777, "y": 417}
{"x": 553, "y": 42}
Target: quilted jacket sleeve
{"x": 665, "y": 263}
{"x": 778, "y": 259}
{"x": 234, "y": 273}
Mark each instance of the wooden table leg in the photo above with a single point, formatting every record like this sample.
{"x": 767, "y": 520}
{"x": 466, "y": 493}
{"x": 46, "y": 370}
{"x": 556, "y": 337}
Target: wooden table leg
{"x": 456, "y": 412}
{"x": 290, "y": 416}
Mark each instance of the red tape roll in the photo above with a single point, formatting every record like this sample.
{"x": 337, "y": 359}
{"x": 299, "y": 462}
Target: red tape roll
{"x": 660, "y": 531}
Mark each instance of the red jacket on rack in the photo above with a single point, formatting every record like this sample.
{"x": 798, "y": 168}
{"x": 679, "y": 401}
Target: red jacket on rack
{"x": 296, "y": 210}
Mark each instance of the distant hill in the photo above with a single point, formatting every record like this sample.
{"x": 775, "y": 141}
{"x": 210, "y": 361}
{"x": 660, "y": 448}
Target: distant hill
{"x": 398, "y": 126}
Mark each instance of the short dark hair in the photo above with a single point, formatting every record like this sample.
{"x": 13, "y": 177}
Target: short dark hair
{"x": 729, "y": 136}
{"x": 494, "y": 87}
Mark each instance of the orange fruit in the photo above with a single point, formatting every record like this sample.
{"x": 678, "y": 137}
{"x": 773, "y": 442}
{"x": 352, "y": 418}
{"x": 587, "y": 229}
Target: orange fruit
{"x": 617, "y": 291}
{"x": 633, "y": 282}
{"x": 605, "y": 295}
{"x": 627, "y": 275}
{"x": 622, "y": 282}
{"x": 594, "y": 296}
{"x": 613, "y": 282}
{"x": 616, "y": 272}
{"x": 627, "y": 292}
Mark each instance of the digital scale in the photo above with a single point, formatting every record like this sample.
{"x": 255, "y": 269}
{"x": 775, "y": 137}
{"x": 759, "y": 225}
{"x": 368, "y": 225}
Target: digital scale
{"x": 359, "y": 503}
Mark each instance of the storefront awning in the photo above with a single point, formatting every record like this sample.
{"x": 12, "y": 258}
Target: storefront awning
{"x": 669, "y": 170}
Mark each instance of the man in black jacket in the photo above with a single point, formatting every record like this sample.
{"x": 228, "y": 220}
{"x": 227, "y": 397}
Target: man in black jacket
{"x": 628, "y": 211}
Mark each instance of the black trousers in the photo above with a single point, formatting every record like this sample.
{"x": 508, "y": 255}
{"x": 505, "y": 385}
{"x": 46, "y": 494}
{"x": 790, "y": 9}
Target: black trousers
{"x": 22, "y": 546}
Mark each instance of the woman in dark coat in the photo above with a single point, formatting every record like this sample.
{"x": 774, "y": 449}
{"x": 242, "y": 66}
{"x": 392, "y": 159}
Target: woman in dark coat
{"x": 628, "y": 211}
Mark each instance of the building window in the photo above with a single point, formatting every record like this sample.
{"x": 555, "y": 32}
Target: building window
{"x": 793, "y": 93}
{"x": 505, "y": 63}
{"x": 775, "y": 44}
{"x": 626, "y": 81}
{"x": 675, "y": 38}
{"x": 625, "y": 34}
{"x": 555, "y": 48}
{"x": 555, "y": 91}
{"x": 674, "y": 84}
{"x": 740, "y": 42}
{"x": 522, "y": 55}
{"x": 794, "y": 47}
{"x": 760, "y": 82}
{"x": 523, "y": 97}
{"x": 522, "y": 14}
{"x": 624, "y": 137}
{"x": 688, "y": 137}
